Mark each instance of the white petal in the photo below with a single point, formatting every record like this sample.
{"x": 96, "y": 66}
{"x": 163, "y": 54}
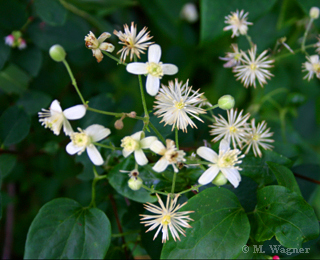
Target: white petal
{"x": 97, "y": 132}
{"x": 55, "y": 106}
{"x": 72, "y": 149}
{"x": 157, "y": 147}
{"x": 140, "y": 157}
{"x": 154, "y": 53}
{"x": 126, "y": 153}
{"x": 67, "y": 128}
{"x": 169, "y": 69}
{"x": 161, "y": 165}
{"x": 209, "y": 175}
{"x": 94, "y": 155}
{"x": 224, "y": 145}
{"x": 75, "y": 112}
{"x": 146, "y": 142}
{"x": 152, "y": 85}
{"x": 137, "y": 68}
{"x": 207, "y": 154}
{"x": 103, "y": 36}
{"x": 137, "y": 136}
{"x": 232, "y": 175}
{"x": 106, "y": 47}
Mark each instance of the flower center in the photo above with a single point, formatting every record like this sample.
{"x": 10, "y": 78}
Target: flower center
{"x": 253, "y": 66}
{"x": 179, "y": 105}
{"x": 237, "y": 56}
{"x": 155, "y": 69}
{"x": 166, "y": 219}
{"x": 91, "y": 41}
{"x": 232, "y": 129}
{"x": 316, "y": 67}
{"x": 129, "y": 144}
{"x": 255, "y": 137}
{"x": 229, "y": 158}
{"x": 81, "y": 139}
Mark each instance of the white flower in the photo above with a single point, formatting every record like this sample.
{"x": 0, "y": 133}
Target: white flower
{"x": 96, "y": 45}
{"x": 234, "y": 129}
{"x": 232, "y": 58}
{"x": 154, "y": 68}
{"x": 54, "y": 118}
{"x": 175, "y": 105}
{"x": 238, "y": 23}
{"x": 189, "y": 13}
{"x": 135, "y": 143}
{"x": 167, "y": 218}
{"x": 313, "y": 67}
{"x": 253, "y": 68}
{"x": 132, "y": 42}
{"x": 84, "y": 139}
{"x": 224, "y": 162}
{"x": 170, "y": 155}
{"x": 258, "y": 136}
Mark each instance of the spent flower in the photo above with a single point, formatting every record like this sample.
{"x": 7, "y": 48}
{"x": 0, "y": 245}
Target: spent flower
{"x": 167, "y": 218}
{"x": 153, "y": 68}
{"x": 176, "y": 102}
{"x": 312, "y": 66}
{"x": 96, "y": 45}
{"x": 232, "y": 58}
{"x": 55, "y": 118}
{"x": 133, "y": 43}
{"x": 237, "y": 23}
{"x": 84, "y": 139}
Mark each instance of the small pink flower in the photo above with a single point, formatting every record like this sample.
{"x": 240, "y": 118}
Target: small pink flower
{"x": 21, "y": 44}
{"x": 9, "y": 39}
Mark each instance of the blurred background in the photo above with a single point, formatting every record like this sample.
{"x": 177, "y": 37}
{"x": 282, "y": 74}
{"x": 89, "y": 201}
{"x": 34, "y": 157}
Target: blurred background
{"x": 34, "y": 166}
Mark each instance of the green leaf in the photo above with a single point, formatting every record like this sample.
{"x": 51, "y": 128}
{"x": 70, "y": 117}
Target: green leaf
{"x": 33, "y": 101}
{"x": 214, "y": 12}
{"x": 219, "y": 231}
{"x": 13, "y": 79}
{"x": 4, "y": 51}
{"x": 285, "y": 215}
{"x": 284, "y": 177}
{"x": 14, "y": 125}
{"x": 7, "y": 162}
{"x": 119, "y": 181}
{"x": 13, "y": 14}
{"x": 64, "y": 229}
{"x": 257, "y": 169}
{"x": 51, "y": 11}
{"x": 0, "y": 195}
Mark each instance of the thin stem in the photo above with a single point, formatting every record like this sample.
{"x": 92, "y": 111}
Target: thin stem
{"x": 305, "y": 36}
{"x": 290, "y": 53}
{"x": 157, "y": 132}
{"x": 125, "y": 233}
{"x": 153, "y": 190}
{"x": 213, "y": 107}
{"x": 107, "y": 146}
{"x": 146, "y": 114}
{"x": 197, "y": 162}
{"x": 74, "y": 83}
{"x": 96, "y": 178}
{"x": 207, "y": 117}
{"x": 173, "y": 182}
{"x": 272, "y": 93}
{"x": 191, "y": 189}
{"x": 30, "y": 19}
{"x": 114, "y": 58}
{"x": 249, "y": 40}
{"x": 177, "y": 138}
{"x": 105, "y": 112}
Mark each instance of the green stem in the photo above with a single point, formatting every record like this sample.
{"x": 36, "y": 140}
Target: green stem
{"x": 97, "y": 177}
{"x": 30, "y": 19}
{"x": 198, "y": 162}
{"x": 213, "y": 107}
{"x": 249, "y": 40}
{"x": 173, "y": 182}
{"x": 272, "y": 93}
{"x": 305, "y": 37}
{"x": 126, "y": 233}
{"x": 146, "y": 114}
{"x": 107, "y": 146}
{"x": 177, "y": 138}
{"x": 74, "y": 83}
{"x": 105, "y": 112}
{"x": 157, "y": 132}
{"x": 290, "y": 53}
{"x": 283, "y": 123}
{"x": 114, "y": 58}
{"x": 153, "y": 190}
{"x": 192, "y": 188}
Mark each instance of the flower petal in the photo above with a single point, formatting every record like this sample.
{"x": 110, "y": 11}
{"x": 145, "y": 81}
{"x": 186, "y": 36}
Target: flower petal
{"x": 67, "y": 128}
{"x": 158, "y": 147}
{"x": 224, "y": 145}
{"x": 103, "y": 36}
{"x": 146, "y": 142}
{"x": 137, "y": 136}
{"x": 75, "y": 112}
{"x": 169, "y": 69}
{"x": 98, "y": 54}
{"x": 232, "y": 175}
{"x": 106, "y": 47}
{"x": 72, "y": 149}
{"x": 97, "y": 132}
{"x": 209, "y": 175}
{"x": 137, "y": 68}
{"x": 161, "y": 165}
{"x": 55, "y": 106}
{"x": 154, "y": 53}
{"x": 140, "y": 157}
{"x": 152, "y": 85}
{"x": 207, "y": 154}
{"x": 94, "y": 155}
{"x": 126, "y": 153}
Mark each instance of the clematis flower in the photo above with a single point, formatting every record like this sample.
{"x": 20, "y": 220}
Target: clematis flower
{"x": 225, "y": 162}
{"x": 55, "y": 118}
{"x": 135, "y": 143}
{"x": 153, "y": 68}
{"x": 96, "y": 45}
{"x": 84, "y": 139}
{"x": 167, "y": 218}
{"x": 170, "y": 155}
{"x": 237, "y": 23}
{"x": 312, "y": 66}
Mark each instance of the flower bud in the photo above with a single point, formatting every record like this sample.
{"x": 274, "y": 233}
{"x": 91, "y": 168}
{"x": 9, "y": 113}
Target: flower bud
{"x": 275, "y": 257}
{"x": 118, "y": 124}
{"x": 132, "y": 114}
{"x": 226, "y": 102}
{"x": 135, "y": 183}
{"x": 220, "y": 179}
{"x": 57, "y": 53}
{"x": 314, "y": 12}
{"x": 189, "y": 13}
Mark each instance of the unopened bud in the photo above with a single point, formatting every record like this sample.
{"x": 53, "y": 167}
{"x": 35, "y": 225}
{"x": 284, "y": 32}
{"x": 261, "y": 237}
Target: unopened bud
{"x": 220, "y": 179}
{"x": 314, "y": 12}
{"x": 226, "y": 102}
{"x": 57, "y": 53}
{"x": 275, "y": 257}
{"x": 189, "y": 13}
{"x": 135, "y": 183}
{"x": 132, "y": 114}
{"x": 118, "y": 124}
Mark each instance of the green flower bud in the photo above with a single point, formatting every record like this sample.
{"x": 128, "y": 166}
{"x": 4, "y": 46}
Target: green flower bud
{"x": 226, "y": 102}
{"x": 314, "y": 12}
{"x": 220, "y": 179}
{"x": 57, "y": 53}
{"x": 135, "y": 183}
